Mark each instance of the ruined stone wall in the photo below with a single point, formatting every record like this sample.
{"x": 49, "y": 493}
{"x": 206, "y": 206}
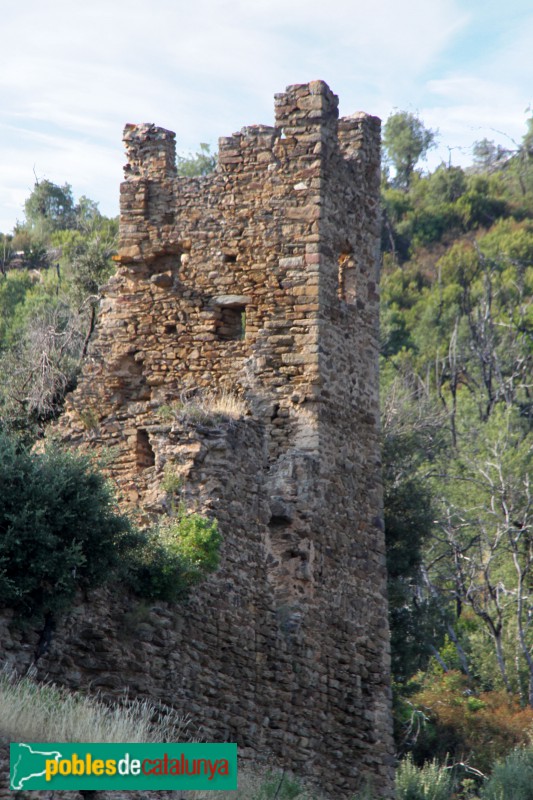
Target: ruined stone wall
{"x": 260, "y": 280}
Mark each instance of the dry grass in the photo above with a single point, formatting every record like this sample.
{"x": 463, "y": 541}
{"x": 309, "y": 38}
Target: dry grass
{"x": 32, "y": 712}
{"x": 207, "y": 408}
{"x": 39, "y": 713}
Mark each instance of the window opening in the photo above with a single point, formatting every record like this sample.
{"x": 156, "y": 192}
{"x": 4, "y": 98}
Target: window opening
{"x": 347, "y": 278}
{"x": 144, "y": 453}
{"x": 232, "y": 324}
{"x": 279, "y": 522}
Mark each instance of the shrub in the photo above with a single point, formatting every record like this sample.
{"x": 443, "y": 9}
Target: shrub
{"x": 59, "y": 528}
{"x": 429, "y": 782}
{"x": 175, "y": 556}
{"x": 512, "y": 778}
{"x": 60, "y": 531}
{"x": 478, "y": 727}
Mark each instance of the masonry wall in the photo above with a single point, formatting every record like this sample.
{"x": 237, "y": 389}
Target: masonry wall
{"x": 260, "y": 280}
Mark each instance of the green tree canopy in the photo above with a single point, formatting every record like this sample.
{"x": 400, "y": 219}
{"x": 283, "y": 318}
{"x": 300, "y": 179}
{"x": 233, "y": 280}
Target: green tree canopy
{"x": 406, "y": 140}
{"x": 49, "y": 207}
{"x": 201, "y": 163}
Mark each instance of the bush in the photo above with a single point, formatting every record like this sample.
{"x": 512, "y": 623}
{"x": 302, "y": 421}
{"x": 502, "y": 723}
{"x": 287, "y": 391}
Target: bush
{"x": 175, "y": 556}
{"x": 512, "y": 778}
{"x": 430, "y": 782}
{"x": 59, "y": 529}
{"x": 474, "y": 727}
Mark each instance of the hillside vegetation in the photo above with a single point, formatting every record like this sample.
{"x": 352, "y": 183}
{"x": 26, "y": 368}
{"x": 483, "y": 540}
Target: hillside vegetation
{"x": 457, "y": 412}
{"x": 456, "y": 372}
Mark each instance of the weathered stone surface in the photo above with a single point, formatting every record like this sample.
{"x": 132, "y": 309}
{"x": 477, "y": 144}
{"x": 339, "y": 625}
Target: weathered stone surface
{"x": 285, "y": 649}
{"x": 231, "y": 300}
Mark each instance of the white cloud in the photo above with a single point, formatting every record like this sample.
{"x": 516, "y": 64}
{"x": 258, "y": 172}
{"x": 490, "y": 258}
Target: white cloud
{"x": 72, "y": 74}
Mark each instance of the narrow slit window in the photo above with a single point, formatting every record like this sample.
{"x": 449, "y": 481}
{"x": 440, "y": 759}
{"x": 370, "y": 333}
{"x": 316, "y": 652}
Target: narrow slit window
{"x": 347, "y": 278}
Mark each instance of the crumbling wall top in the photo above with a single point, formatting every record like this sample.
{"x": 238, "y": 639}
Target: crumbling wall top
{"x": 306, "y": 103}
{"x": 150, "y": 150}
{"x": 304, "y": 110}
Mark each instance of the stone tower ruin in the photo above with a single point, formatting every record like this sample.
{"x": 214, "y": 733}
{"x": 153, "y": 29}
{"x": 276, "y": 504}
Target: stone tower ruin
{"x": 261, "y": 281}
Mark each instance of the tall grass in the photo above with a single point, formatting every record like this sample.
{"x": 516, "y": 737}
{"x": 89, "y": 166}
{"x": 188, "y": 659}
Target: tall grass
{"x": 206, "y": 408}
{"x": 33, "y": 712}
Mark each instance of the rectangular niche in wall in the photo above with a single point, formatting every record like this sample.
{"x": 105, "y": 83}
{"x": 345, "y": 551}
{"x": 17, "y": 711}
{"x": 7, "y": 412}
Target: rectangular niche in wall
{"x": 231, "y": 323}
{"x": 347, "y": 278}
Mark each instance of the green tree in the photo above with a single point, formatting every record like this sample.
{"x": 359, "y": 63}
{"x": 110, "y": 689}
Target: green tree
{"x": 481, "y": 555}
{"x": 201, "y": 163}
{"x": 47, "y": 317}
{"x": 13, "y": 290}
{"x": 49, "y": 207}
{"x": 6, "y": 251}
{"x": 406, "y": 140}
{"x": 86, "y": 213}
{"x": 40, "y": 356}
{"x": 412, "y": 436}
{"x": 86, "y": 260}
{"x": 488, "y": 156}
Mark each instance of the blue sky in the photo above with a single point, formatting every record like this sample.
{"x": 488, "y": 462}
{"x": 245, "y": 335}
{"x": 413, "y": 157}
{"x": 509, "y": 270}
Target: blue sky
{"x": 72, "y": 74}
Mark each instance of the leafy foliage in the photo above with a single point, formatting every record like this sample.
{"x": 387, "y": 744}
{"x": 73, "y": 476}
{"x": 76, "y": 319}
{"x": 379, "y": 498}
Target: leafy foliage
{"x": 431, "y": 782}
{"x": 40, "y": 358}
{"x": 511, "y": 777}
{"x": 49, "y": 207}
{"x": 465, "y": 725}
{"x": 201, "y": 163}
{"x": 411, "y": 436}
{"x": 47, "y": 315}
{"x": 176, "y": 555}
{"x": 59, "y": 529}
{"x": 405, "y": 141}
{"x": 457, "y": 339}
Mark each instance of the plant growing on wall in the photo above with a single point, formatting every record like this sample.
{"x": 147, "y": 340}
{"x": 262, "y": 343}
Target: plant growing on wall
{"x": 60, "y": 531}
{"x": 176, "y": 555}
